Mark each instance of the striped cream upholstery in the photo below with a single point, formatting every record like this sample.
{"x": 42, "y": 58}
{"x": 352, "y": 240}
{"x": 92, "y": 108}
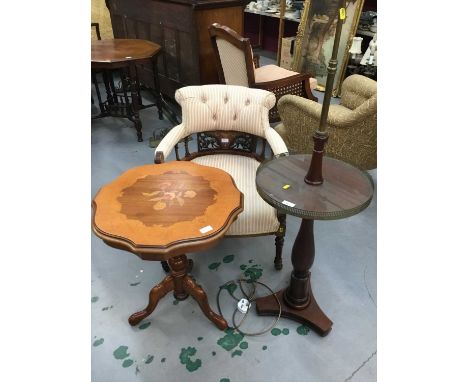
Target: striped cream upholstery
{"x": 225, "y": 107}
{"x": 233, "y": 63}
{"x": 229, "y": 107}
{"x": 258, "y": 217}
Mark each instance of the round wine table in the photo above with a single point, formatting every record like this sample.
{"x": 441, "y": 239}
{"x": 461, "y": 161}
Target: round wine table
{"x": 161, "y": 212}
{"x": 345, "y": 191}
{"x": 123, "y": 55}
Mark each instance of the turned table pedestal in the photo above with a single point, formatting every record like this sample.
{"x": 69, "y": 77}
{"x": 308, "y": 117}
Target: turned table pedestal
{"x": 345, "y": 191}
{"x": 161, "y": 213}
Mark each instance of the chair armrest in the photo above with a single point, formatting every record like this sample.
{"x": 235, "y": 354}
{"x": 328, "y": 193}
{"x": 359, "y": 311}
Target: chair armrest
{"x": 294, "y": 108}
{"x": 275, "y": 141}
{"x": 168, "y": 142}
{"x": 302, "y": 107}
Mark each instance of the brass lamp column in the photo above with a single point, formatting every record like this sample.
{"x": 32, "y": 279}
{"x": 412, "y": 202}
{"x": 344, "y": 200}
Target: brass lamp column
{"x": 320, "y": 137}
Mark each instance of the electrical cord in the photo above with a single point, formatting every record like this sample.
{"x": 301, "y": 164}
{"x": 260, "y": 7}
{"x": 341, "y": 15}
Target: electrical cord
{"x": 250, "y": 299}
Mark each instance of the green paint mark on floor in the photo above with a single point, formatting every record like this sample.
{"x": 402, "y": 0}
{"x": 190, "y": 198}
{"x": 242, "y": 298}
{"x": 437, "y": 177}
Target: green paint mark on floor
{"x": 94, "y": 299}
{"x": 135, "y": 284}
{"x": 230, "y": 287}
{"x": 236, "y": 352}
{"x": 163, "y": 359}
{"x": 213, "y": 353}
{"x": 230, "y": 340}
{"x": 276, "y": 331}
{"x": 243, "y": 267}
{"x": 199, "y": 338}
{"x": 98, "y": 342}
{"x": 121, "y": 352}
{"x": 228, "y": 258}
{"x": 244, "y": 345}
{"x": 253, "y": 273}
{"x": 214, "y": 266}
{"x": 264, "y": 347}
{"x": 175, "y": 302}
{"x": 127, "y": 363}
{"x": 303, "y": 330}
{"x": 285, "y": 331}
{"x": 184, "y": 356}
{"x": 144, "y": 326}
{"x": 149, "y": 359}
{"x": 224, "y": 380}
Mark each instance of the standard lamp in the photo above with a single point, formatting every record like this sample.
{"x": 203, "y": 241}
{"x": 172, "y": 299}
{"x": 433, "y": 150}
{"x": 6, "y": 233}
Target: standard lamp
{"x": 320, "y": 137}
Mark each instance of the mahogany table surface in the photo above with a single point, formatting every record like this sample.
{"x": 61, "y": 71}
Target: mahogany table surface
{"x": 121, "y": 51}
{"x": 346, "y": 190}
{"x": 160, "y": 211}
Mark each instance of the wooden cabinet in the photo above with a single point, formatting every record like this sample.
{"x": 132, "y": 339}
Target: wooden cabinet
{"x": 181, "y": 28}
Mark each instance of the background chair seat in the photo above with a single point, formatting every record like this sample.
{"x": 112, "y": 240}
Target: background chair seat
{"x": 272, "y": 73}
{"x": 258, "y": 217}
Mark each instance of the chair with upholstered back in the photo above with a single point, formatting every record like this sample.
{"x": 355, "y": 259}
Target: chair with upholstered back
{"x": 232, "y": 131}
{"x": 236, "y": 66}
{"x": 352, "y": 125}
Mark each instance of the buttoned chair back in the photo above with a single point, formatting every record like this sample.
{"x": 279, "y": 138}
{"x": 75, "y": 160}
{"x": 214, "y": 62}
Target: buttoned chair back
{"x": 232, "y": 131}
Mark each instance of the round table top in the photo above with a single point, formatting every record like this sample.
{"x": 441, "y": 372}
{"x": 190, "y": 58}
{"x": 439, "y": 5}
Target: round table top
{"x": 122, "y": 51}
{"x": 345, "y": 191}
{"x": 162, "y": 210}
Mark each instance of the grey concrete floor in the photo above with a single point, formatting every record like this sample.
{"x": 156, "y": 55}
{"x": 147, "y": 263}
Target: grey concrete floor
{"x": 343, "y": 279}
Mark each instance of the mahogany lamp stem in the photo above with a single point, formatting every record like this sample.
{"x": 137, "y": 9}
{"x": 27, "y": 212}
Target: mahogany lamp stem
{"x": 320, "y": 137}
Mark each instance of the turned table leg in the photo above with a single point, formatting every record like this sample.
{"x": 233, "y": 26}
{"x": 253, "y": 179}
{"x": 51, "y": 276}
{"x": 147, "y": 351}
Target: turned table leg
{"x": 156, "y": 294}
{"x": 157, "y": 88}
{"x": 135, "y": 101}
{"x": 297, "y": 300}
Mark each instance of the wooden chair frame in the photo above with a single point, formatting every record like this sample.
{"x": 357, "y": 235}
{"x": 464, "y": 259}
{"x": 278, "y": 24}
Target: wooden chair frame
{"x": 297, "y": 84}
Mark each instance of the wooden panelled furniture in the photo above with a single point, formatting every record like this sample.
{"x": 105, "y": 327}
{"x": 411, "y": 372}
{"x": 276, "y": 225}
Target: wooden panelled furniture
{"x": 228, "y": 122}
{"x": 161, "y": 213}
{"x": 235, "y": 64}
{"x": 181, "y": 28}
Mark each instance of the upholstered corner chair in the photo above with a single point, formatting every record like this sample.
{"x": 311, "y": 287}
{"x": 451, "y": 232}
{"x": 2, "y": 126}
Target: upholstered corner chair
{"x": 237, "y": 65}
{"x": 232, "y": 129}
{"x": 352, "y": 125}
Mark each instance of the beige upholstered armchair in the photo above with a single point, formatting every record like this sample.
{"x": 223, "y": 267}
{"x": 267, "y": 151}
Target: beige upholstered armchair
{"x": 237, "y": 65}
{"x": 352, "y": 125}
{"x": 232, "y": 129}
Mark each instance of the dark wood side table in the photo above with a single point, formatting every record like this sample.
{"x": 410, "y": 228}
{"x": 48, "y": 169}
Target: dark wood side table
{"x": 124, "y": 55}
{"x": 345, "y": 191}
{"x": 161, "y": 213}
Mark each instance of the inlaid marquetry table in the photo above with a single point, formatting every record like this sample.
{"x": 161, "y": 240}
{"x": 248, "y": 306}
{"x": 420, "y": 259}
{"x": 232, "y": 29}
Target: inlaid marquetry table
{"x": 124, "y": 55}
{"x": 161, "y": 212}
{"x": 345, "y": 191}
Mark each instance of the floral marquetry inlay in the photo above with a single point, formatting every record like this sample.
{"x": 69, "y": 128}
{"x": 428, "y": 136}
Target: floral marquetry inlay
{"x": 172, "y": 197}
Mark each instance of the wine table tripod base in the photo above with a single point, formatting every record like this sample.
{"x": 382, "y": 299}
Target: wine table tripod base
{"x": 160, "y": 213}
{"x": 298, "y": 301}
{"x": 345, "y": 192}
{"x": 183, "y": 285}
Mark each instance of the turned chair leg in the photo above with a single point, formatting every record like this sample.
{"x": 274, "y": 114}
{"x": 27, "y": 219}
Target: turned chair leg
{"x": 279, "y": 241}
